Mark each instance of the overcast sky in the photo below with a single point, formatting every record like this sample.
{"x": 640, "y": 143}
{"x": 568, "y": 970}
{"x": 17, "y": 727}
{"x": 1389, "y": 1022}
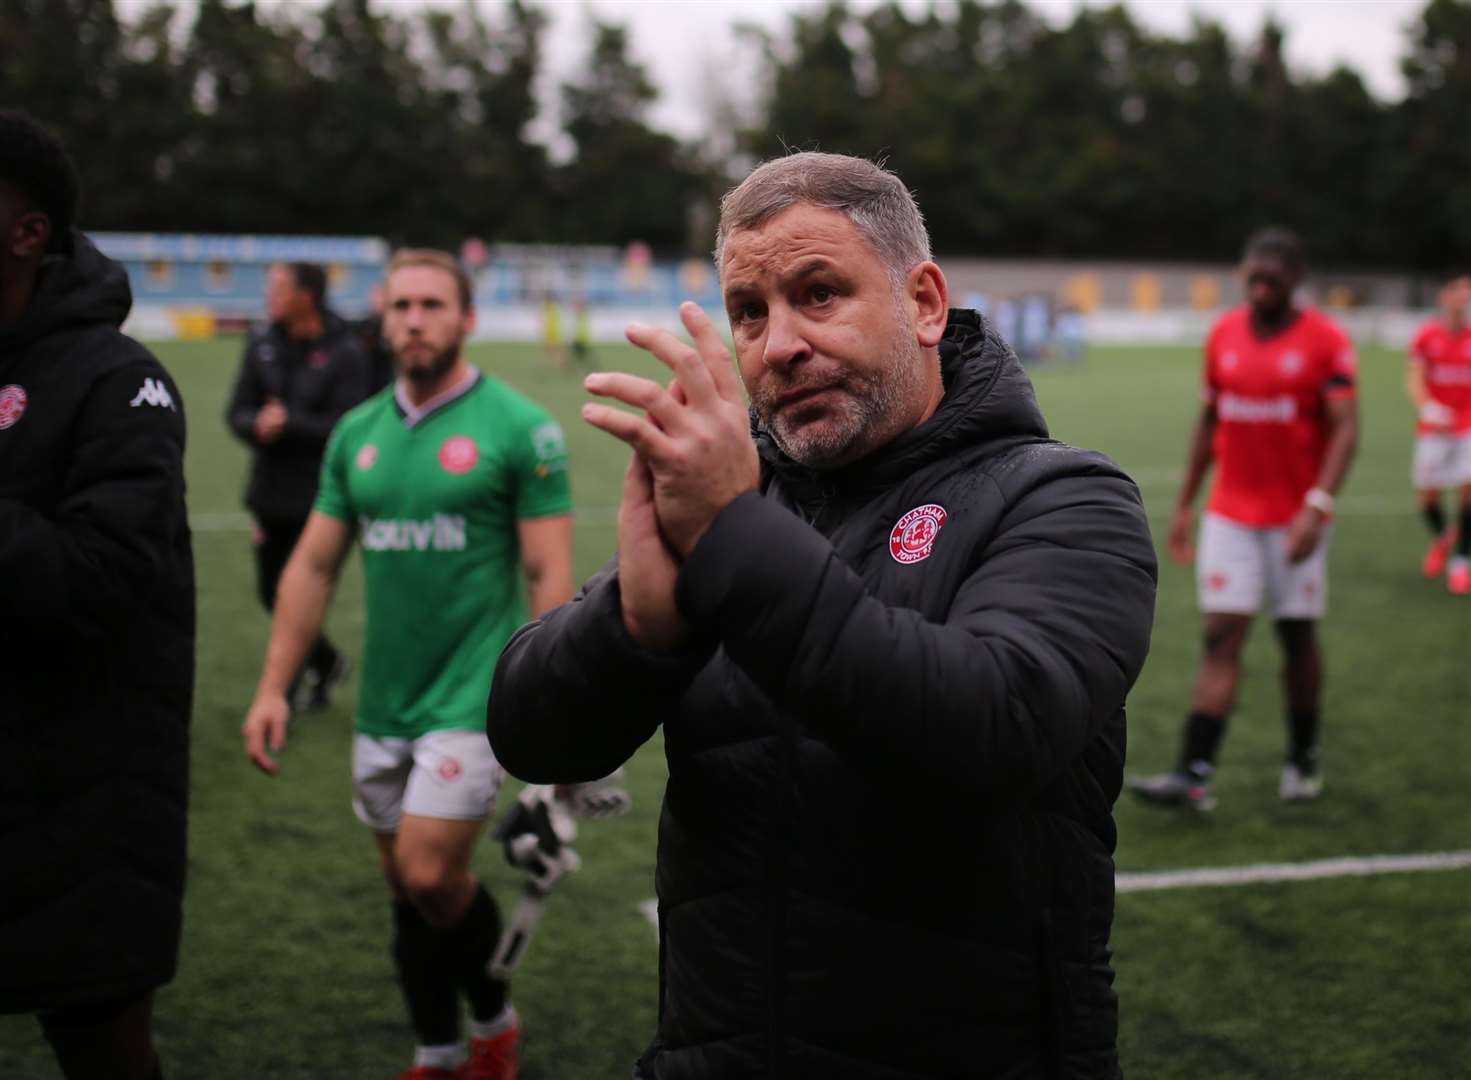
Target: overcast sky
{"x": 687, "y": 43}
{"x": 691, "y": 51}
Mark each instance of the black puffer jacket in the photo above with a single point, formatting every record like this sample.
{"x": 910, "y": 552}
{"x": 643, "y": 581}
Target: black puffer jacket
{"x": 886, "y": 843}
{"x": 96, "y": 647}
{"x": 317, "y": 381}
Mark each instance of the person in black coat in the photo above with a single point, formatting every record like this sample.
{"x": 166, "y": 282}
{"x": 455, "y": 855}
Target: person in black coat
{"x": 96, "y": 634}
{"x": 296, "y": 380}
{"x": 888, "y": 633}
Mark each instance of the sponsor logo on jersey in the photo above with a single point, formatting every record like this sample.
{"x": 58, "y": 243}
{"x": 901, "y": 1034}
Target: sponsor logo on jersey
{"x": 12, "y": 405}
{"x": 367, "y": 457}
{"x": 155, "y": 393}
{"x": 1291, "y": 363}
{"x": 551, "y": 448}
{"x": 1450, "y": 375}
{"x": 1242, "y": 409}
{"x": 458, "y": 454}
{"x": 450, "y": 769}
{"x": 442, "y": 532}
{"x": 913, "y": 536}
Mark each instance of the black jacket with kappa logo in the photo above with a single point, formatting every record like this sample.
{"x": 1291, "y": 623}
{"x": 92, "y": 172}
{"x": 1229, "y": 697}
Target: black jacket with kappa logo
{"x": 885, "y": 849}
{"x": 317, "y": 381}
{"x": 96, "y": 647}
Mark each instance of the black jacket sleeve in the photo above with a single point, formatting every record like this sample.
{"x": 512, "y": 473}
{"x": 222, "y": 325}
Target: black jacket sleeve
{"x": 574, "y": 696}
{"x": 111, "y": 535}
{"x": 311, "y": 427}
{"x": 247, "y": 398}
{"x": 1040, "y": 646}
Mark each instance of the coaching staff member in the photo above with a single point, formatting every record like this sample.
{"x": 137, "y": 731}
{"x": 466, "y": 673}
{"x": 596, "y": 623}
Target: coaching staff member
{"x": 888, "y": 637}
{"x": 96, "y": 634}
{"x": 296, "y": 380}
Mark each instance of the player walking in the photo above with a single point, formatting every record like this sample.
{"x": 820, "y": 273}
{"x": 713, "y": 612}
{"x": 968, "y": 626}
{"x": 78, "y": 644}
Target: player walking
{"x": 448, "y": 480}
{"x": 1280, "y": 421}
{"x": 1439, "y": 385}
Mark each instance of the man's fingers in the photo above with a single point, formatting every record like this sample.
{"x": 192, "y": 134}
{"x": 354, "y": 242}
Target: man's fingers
{"x": 691, "y": 370}
{"x": 712, "y": 349}
{"x": 636, "y": 431}
{"x": 640, "y": 393}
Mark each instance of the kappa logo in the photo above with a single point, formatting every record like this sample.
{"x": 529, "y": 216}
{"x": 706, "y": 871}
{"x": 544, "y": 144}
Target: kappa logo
{"x": 12, "y": 405}
{"x": 551, "y": 448}
{"x": 155, "y": 393}
{"x": 913, "y": 536}
{"x": 459, "y": 454}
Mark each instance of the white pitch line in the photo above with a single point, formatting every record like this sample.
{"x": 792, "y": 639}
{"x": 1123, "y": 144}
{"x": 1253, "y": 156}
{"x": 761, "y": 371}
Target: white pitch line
{"x": 1363, "y": 866}
{"x": 1262, "y": 873}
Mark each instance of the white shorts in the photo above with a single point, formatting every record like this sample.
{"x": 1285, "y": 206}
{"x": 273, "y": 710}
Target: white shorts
{"x": 444, "y": 774}
{"x": 1237, "y": 566}
{"x": 1442, "y": 461}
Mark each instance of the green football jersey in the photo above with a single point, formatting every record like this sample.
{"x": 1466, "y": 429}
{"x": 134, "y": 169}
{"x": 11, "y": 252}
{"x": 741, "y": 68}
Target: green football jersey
{"x": 434, "y": 496}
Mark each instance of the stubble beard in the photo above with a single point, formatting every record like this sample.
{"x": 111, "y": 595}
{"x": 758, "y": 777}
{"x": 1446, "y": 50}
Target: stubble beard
{"x": 437, "y": 367}
{"x": 865, "y": 411}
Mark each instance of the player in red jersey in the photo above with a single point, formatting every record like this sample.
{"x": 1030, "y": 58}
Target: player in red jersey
{"x": 1280, "y": 423}
{"x": 1439, "y": 385}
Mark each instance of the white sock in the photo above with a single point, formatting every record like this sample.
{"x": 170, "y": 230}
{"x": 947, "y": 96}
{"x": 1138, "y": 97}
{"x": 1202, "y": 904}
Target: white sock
{"x": 505, "y": 1020}
{"x": 447, "y": 1056}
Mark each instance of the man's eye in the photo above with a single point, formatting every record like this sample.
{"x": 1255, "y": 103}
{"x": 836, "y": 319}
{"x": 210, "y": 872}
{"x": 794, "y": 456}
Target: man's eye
{"x": 821, "y": 294}
{"x": 747, "y": 313}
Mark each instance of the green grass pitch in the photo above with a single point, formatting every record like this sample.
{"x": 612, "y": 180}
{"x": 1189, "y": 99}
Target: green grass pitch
{"x": 285, "y": 970}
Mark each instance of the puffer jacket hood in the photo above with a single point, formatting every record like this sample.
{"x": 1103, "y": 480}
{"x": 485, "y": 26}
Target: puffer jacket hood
{"x": 79, "y": 287}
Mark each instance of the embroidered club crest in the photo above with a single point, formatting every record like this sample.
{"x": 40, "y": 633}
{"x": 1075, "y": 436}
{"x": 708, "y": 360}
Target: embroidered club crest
{"x": 913, "y": 536}
{"x": 459, "y": 454}
{"x": 12, "y": 405}
{"x": 367, "y": 457}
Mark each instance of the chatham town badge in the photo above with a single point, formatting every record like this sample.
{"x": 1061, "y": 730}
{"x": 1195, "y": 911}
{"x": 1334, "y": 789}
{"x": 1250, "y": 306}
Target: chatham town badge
{"x": 12, "y": 404}
{"x": 913, "y": 536}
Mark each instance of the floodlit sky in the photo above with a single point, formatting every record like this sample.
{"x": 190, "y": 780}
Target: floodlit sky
{"x": 691, "y": 50}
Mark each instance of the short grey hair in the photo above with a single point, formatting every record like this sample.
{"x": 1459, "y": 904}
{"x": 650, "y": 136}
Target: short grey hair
{"x": 870, "y": 196}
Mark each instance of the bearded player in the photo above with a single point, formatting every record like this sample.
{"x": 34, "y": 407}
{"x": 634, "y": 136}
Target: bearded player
{"x": 1280, "y": 423}
{"x": 1439, "y": 385}
{"x": 457, "y": 489}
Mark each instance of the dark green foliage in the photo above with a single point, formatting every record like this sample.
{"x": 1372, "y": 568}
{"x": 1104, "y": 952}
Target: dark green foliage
{"x": 1096, "y": 136}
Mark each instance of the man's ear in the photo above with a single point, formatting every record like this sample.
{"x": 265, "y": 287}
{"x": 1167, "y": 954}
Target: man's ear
{"x": 29, "y": 236}
{"x": 469, "y": 323}
{"x": 929, "y": 297}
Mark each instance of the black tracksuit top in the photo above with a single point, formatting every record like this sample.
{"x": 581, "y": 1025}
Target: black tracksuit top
{"x": 317, "y": 381}
{"x": 886, "y": 844}
{"x": 96, "y": 647}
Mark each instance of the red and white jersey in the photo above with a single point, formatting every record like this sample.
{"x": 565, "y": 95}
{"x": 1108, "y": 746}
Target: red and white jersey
{"x": 1445, "y": 358}
{"x": 1271, "y": 402}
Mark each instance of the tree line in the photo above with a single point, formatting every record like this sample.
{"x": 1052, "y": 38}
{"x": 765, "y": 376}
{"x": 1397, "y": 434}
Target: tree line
{"x": 1098, "y": 137}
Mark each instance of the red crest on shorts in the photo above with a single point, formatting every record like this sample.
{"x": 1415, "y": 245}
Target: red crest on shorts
{"x": 12, "y": 404}
{"x": 1217, "y": 581}
{"x": 367, "y": 457}
{"x": 450, "y": 768}
{"x": 913, "y": 536}
{"x": 459, "y": 454}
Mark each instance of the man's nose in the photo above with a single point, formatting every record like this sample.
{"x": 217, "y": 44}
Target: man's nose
{"x": 786, "y": 343}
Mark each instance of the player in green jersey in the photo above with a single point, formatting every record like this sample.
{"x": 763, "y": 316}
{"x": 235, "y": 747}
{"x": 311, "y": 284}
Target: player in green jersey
{"x": 456, "y": 487}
